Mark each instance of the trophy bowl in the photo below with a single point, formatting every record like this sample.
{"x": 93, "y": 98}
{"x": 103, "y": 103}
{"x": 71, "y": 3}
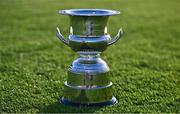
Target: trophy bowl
{"x": 88, "y": 82}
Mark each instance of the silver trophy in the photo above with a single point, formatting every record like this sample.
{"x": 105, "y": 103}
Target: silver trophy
{"x": 88, "y": 82}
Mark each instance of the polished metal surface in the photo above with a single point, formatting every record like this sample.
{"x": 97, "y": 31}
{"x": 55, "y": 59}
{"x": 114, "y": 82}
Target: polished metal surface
{"x": 89, "y": 12}
{"x": 90, "y": 43}
{"x": 88, "y": 82}
{"x": 99, "y": 104}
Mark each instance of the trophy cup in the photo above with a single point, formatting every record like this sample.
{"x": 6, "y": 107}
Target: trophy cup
{"x": 88, "y": 82}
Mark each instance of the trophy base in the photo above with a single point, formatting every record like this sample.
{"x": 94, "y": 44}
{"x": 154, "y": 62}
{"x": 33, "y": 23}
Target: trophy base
{"x": 88, "y": 82}
{"x": 99, "y": 104}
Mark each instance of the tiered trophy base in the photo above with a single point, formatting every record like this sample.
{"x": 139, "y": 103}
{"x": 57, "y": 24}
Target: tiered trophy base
{"x": 88, "y": 82}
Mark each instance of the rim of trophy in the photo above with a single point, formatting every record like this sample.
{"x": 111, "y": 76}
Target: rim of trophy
{"x": 89, "y": 12}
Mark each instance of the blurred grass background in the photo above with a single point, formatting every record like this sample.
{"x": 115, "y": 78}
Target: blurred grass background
{"x": 145, "y": 63}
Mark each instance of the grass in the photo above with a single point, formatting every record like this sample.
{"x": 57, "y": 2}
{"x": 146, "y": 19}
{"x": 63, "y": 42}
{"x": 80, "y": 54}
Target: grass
{"x": 145, "y": 63}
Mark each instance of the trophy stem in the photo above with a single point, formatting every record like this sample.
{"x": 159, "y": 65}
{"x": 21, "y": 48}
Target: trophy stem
{"x": 89, "y": 55}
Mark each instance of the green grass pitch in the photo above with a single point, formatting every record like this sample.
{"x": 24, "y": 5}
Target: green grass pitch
{"x": 145, "y": 63}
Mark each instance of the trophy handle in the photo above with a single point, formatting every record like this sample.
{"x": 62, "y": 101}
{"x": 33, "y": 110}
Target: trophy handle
{"x": 116, "y": 38}
{"x": 61, "y": 37}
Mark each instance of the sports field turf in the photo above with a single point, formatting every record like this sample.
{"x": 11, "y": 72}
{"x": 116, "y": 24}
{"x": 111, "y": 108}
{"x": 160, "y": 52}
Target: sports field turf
{"x": 145, "y": 63}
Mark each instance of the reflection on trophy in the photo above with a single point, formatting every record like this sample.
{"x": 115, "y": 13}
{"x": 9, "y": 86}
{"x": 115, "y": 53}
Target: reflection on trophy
{"x": 88, "y": 82}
